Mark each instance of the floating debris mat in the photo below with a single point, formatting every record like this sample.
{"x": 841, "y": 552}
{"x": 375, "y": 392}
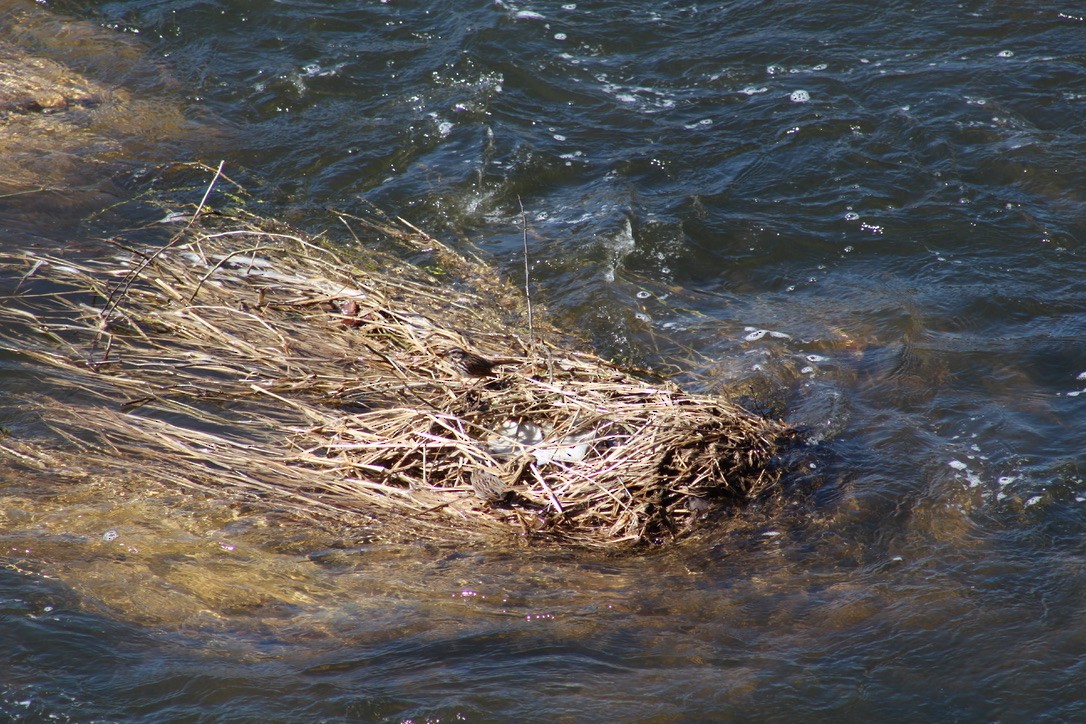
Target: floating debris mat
{"x": 249, "y": 362}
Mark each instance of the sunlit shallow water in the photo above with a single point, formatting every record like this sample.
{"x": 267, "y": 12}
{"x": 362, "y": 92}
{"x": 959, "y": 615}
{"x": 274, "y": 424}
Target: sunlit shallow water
{"x": 874, "y": 212}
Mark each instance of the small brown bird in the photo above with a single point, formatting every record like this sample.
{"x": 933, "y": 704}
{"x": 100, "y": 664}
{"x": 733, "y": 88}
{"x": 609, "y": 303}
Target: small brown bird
{"x": 470, "y": 364}
{"x": 488, "y": 486}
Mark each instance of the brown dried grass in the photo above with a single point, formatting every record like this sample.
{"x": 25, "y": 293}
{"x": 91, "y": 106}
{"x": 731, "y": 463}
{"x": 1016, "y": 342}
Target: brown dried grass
{"x": 247, "y": 361}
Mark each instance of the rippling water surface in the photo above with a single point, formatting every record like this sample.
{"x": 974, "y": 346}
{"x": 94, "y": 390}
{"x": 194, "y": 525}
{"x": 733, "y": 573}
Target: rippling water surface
{"x": 877, "y": 209}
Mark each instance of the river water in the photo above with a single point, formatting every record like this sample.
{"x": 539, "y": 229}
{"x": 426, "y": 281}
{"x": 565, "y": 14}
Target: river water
{"x": 875, "y": 210}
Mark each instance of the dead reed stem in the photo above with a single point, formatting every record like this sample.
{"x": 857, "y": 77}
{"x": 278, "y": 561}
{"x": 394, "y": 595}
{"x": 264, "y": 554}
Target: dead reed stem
{"x": 244, "y": 359}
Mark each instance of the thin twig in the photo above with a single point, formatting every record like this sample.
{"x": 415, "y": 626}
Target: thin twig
{"x": 121, "y": 290}
{"x": 527, "y": 275}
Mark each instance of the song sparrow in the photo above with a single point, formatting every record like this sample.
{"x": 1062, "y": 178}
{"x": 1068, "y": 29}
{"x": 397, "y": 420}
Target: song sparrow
{"x": 488, "y": 486}
{"x": 470, "y": 364}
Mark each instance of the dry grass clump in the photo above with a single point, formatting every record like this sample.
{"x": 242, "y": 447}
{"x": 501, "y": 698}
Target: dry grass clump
{"x": 246, "y": 360}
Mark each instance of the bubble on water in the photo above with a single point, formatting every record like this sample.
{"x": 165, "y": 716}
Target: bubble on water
{"x": 799, "y": 96}
{"x": 815, "y": 358}
{"x": 569, "y": 6}
{"x": 649, "y": 100}
{"x": 642, "y": 317}
{"x": 821, "y": 66}
{"x": 779, "y": 335}
{"x": 775, "y": 69}
{"x": 851, "y": 216}
{"x": 1034, "y": 500}
{"x": 1007, "y": 479}
{"x": 1005, "y": 54}
{"x": 559, "y": 137}
{"x": 528, "y": 15}
{"x": 958, "y": 465}
{"x": 110, "y": 535}
{"x": 808, "y": 371}
{"x": 560, "y": 36}
{"x": 751, "y": 90}
{"x": 755, "y": 335}
{"x": 702, "y": 122}
{"x": 643, "y": 294}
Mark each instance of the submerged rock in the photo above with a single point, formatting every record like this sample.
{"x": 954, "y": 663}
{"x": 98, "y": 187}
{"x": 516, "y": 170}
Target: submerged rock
{"x": 69, "y": 125}
{"x": 30, "y": 84}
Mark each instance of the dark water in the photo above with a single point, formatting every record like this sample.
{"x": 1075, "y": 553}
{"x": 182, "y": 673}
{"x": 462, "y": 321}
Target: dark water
{"x": 878, "y": 209}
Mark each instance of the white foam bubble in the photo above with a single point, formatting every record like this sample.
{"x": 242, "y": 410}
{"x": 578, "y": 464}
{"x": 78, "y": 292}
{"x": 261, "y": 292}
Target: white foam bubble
{"x": 799, "y": 96}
